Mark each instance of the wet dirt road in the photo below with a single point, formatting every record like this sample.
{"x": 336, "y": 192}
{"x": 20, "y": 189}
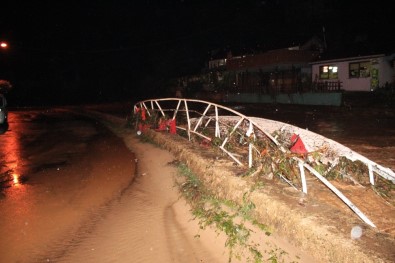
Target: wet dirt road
{"x": 71, "y": 192}
{"x": 58, "y": 171}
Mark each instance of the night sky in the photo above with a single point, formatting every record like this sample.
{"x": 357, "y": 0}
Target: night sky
{"x": 67, "y": 52}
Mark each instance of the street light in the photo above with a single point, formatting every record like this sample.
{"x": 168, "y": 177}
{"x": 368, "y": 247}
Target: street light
{"x": 3, "y": 44}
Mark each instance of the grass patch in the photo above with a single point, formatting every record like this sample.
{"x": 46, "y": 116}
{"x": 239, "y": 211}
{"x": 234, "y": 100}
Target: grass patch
{"x": 225, "y": 216}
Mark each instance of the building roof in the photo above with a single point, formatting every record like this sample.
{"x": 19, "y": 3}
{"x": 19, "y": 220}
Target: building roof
{"x": 347, "y": 59}
{"x": 273, "y": 57}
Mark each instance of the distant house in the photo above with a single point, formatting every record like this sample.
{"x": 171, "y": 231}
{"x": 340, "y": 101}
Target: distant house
{"x": 281, "y": 70}
{"x": 216, "y": 63}
{"x": 361, "y": 73}
{"x": 273, "y": 71}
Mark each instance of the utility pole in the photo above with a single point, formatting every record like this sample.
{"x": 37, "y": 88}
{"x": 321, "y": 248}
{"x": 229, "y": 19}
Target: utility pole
{"x": 323, "y": 33}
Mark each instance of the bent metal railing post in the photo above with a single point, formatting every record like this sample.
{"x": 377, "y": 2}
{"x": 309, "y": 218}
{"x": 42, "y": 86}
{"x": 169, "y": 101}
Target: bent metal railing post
{"x": 339, "y": 194}
{"x": 226, "y": 126}
{"x": 302, "y": 176}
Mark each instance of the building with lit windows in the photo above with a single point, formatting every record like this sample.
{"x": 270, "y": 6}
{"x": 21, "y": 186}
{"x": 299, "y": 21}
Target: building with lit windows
{"x": 361, "y": 73}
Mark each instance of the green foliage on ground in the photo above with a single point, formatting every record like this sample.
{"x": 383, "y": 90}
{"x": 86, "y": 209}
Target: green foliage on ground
{"x": 226, "y": 217}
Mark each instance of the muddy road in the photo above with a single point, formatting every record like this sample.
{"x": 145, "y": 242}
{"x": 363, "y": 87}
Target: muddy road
{"x": 58, "y": 170}
{"x": 71, "y": 192}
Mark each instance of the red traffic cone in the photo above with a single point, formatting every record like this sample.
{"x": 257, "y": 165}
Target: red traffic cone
{"x": 297, "y": 144}
{"x": 173, "y": 128}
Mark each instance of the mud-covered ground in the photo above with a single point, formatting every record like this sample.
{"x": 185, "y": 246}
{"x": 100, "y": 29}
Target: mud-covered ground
{"x": 74, "y": 191}
{"x": 58, "y": 173}
{"x": 367, "y": 130}
{"x": 318, "y": 222}
{"x": 68, "y": 197}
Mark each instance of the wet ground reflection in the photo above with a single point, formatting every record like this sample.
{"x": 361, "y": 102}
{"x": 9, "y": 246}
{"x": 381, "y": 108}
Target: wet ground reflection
{"x": 13, "y": 165}
{"x": 56, "y": 169}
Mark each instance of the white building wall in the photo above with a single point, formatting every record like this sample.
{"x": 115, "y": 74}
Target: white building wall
{"x": 386, "y": 73}
{"x": 352, "y": 84}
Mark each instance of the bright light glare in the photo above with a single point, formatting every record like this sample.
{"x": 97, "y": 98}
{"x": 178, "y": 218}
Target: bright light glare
{"x": 3, "y": 45}
{"x": 16, "y": 179}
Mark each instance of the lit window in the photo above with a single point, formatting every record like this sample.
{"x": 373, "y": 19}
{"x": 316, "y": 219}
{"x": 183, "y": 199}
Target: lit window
{"x": 328, "y": 72}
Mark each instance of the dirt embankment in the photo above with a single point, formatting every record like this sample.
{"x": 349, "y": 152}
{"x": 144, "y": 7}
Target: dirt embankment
{"x": 317, "y": 223}
{"x": 323, "y": 228}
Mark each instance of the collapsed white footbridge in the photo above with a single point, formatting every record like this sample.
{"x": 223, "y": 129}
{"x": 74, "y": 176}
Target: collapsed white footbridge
{"x": 240, "y": 137}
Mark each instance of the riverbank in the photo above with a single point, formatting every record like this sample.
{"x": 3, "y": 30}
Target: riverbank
{"x": 319, "y": 223}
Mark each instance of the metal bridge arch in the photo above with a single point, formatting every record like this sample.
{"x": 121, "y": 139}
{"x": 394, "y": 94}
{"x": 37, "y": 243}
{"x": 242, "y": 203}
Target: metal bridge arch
{"x": 216, "y": 123}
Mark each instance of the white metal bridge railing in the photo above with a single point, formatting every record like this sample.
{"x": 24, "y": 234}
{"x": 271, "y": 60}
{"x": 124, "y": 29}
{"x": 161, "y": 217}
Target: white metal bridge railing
{"x": 242, "y": 138}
